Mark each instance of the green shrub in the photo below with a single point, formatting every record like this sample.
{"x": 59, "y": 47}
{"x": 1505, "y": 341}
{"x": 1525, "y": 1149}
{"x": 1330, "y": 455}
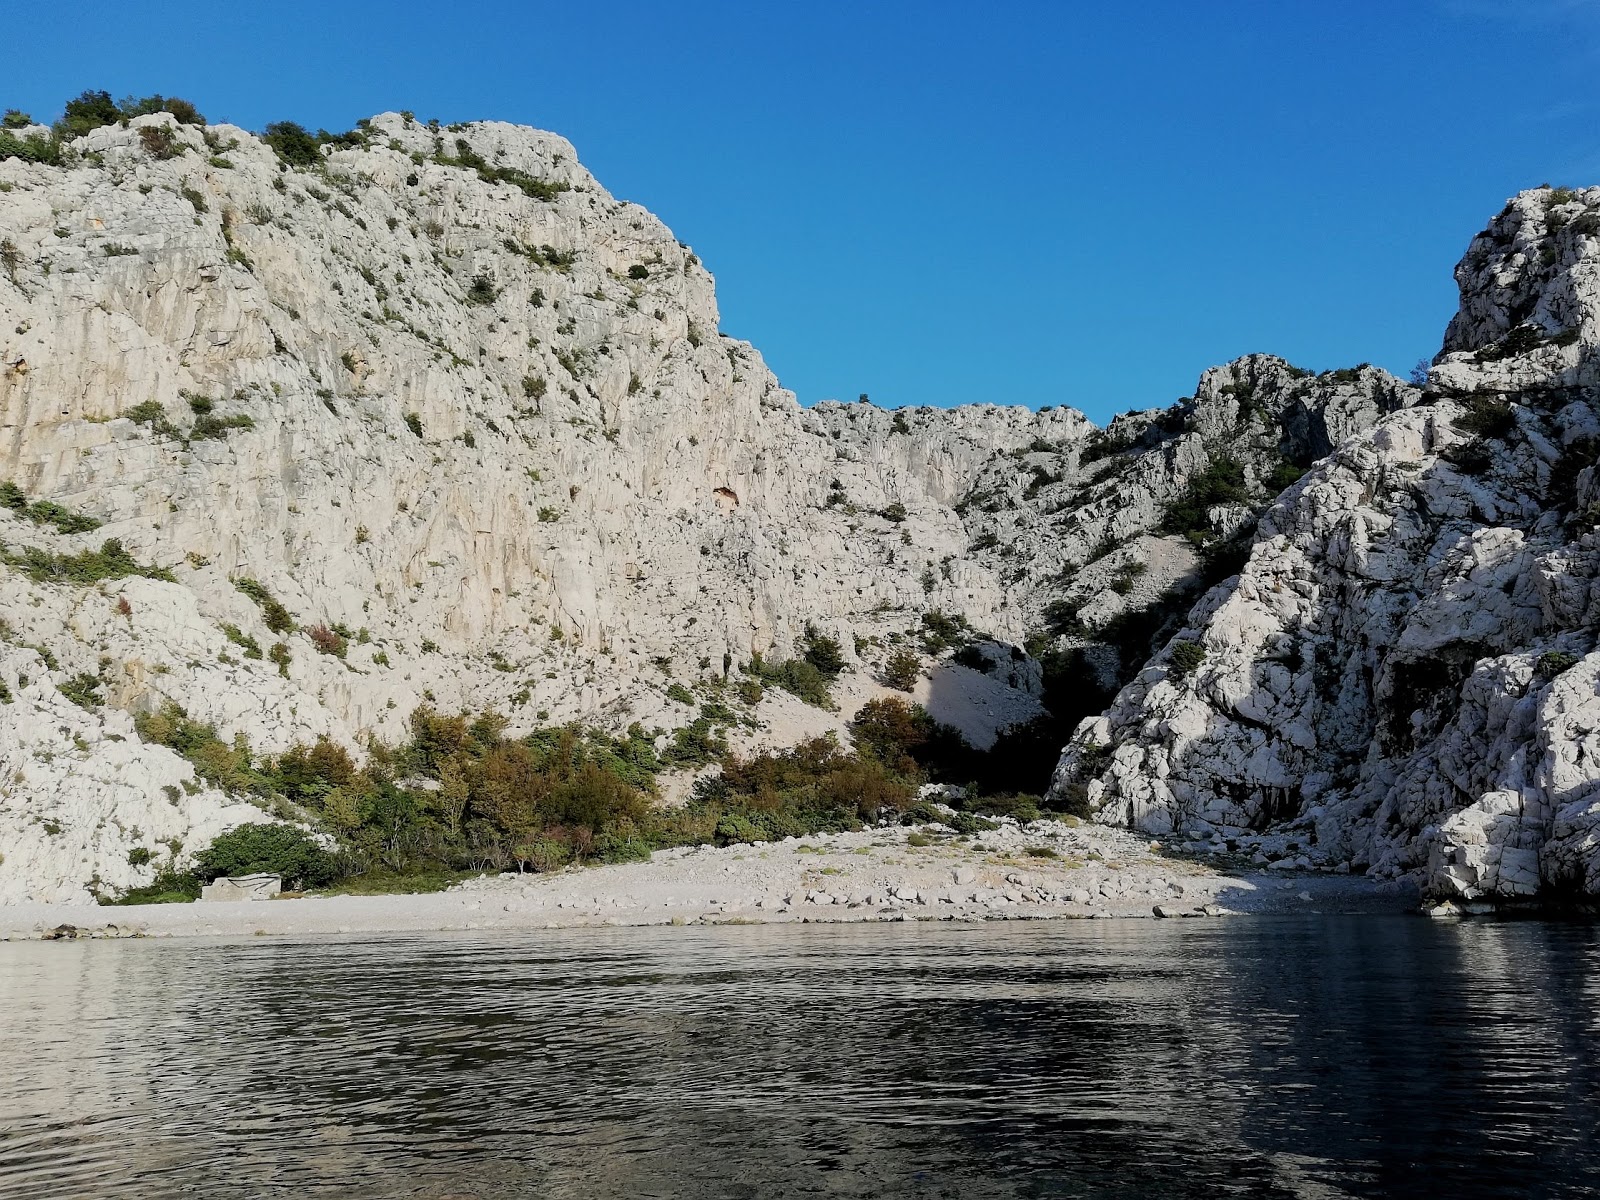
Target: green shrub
{"x": 274, "y": 614}
{"x": 893, "y": 731}
{"x": 111, "y": 561}
{"x": 1553, "y": 663}
{"x": 902, "y": 671}
{"x": 1122, "y": 582}
{"x": 44, "y": 512}
{"x": 414, "y": 423}
{"x": 1284, "y": 476}
{"x": 1185, "y": 657}
{"x": 538, "y": 189}
{"x": 795, "y": 676}
{"x": 680, "y": 693}
{"x": 139, "y": 856}
{"x": 482, "y": 291}
{"x": 1222, "y": 482}
{"x": 210, "y": 427}
{"x": 169, "y": 887}
{"x": 1519, "y": 340}
{"x": 292, "y": 143}
{"x": 274, "y": 849}
{"x": 15, "y": 118}
{"x": 251, "y": 647}
{"x": 225, "y": 766}
{"x": 638, "y": 271}
{"x": 942, "y": 630}
{"x": 696, "y": 744}
{"x": 83, "y": 690}
{"x": 1487, "y": 417}
{"x": 184, "y": 112}
{"x": 824, "y": 653}
{"x": 159, "y": 143}
{"x": 34, "y": 148}
{"x": 87, "y": 112}
{"x": 153, "y": 414}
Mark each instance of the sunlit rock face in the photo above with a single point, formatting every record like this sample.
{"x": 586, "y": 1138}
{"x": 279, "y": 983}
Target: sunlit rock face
{"x": 1403, "y": 677}
{"x": 470, "y": 421}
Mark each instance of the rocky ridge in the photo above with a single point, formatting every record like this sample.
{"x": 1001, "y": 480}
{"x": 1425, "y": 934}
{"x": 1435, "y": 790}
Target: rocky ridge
{"x": 439, "y": 420}
{"x": 1403, "y": 678}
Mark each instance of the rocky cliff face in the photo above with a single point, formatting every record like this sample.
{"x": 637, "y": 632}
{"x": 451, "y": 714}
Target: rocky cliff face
{"x": 440, "y": 420}
{"x": 1404, "y": 677}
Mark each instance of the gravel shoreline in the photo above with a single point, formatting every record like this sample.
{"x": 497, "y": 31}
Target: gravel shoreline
{"x": 1042, "y": 871}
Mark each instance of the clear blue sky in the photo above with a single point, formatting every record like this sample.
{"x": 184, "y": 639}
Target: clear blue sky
{"x": 936, "y": 202}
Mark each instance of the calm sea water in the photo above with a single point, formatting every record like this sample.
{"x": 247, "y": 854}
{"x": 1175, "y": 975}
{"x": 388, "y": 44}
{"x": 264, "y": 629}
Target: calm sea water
{"x": 1305, "y": 1056}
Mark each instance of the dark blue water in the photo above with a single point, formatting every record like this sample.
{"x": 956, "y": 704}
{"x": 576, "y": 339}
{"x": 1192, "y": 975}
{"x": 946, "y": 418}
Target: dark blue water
{"x": 1272, "y": 1057}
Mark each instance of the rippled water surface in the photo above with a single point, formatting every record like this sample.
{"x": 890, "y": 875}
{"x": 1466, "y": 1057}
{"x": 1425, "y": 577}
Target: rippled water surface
{"x": 1366, "y": 1056}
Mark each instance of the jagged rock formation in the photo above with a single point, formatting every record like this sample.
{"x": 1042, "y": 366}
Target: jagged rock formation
{"x": 439, "y": 420}
{"x": 1404, "y": 676}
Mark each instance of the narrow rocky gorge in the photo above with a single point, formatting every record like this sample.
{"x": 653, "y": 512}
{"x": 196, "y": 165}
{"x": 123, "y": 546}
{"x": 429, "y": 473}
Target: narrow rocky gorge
{"x": 1402, "y": 679}
{"x": 434, "y": 419}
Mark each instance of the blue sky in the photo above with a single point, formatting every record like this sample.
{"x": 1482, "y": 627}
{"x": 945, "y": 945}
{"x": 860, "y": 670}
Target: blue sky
{"x": 935, "y": 203}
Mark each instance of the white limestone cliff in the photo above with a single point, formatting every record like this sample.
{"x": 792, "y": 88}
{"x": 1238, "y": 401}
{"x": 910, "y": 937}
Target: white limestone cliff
{"x": 446, "y": 394}
{"x": 1403, "y": 677}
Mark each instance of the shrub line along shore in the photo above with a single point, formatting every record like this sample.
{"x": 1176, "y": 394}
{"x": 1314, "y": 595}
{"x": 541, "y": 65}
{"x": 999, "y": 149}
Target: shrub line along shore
{"x": 1049, "y": 869}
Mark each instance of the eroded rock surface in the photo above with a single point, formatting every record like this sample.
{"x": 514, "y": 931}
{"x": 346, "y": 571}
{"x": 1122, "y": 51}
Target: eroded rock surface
{"x": 1404, "y": 677}
{"x": 469, "y": 420}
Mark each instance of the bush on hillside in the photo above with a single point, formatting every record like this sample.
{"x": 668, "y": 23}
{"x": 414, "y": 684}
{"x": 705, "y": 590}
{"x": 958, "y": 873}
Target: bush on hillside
{"x": 292, "y": 143}
{"x": 269, "y": 848}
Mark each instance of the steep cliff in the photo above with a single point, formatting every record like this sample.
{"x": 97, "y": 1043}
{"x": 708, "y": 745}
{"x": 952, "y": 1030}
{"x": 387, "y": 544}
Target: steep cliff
{"x": 436, "y": 419}
{"x": 1403, "y": 678}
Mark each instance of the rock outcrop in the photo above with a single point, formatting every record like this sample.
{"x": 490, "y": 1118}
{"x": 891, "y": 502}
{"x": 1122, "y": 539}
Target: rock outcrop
{"x": 439, "y": 420}
{"x": 1403, "y": 678}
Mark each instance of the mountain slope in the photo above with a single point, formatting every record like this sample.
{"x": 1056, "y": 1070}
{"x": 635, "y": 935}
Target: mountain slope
{"x": 437, "y": 420}
{"x": 1404, "y": 677}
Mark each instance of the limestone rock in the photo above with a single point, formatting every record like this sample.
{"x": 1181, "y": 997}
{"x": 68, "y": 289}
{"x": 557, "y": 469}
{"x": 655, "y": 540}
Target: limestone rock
{"x": 477, "y": 428}
{"x": 1405, "y": 673}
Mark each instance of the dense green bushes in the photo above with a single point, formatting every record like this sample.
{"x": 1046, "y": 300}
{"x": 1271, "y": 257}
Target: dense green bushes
{"x": 83, "y": 114}
{"x": 292, "y": 143}
{"x": 794, "y": 675}
{"x": 111, "y": 561}
{"x": 225, "y": 766}
{"x": 44, "y": 512}
{"x": 270, "y": 848}
{"x": 30, "y": 149}
{"x": 459, "y": 795}
{"x": 1222, "y": 482}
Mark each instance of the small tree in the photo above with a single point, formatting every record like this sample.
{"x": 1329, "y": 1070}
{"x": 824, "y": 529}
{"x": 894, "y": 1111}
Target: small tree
{"x": 15, "y": 118}
{"x": 1185, "y": 657}
{"x": 292, "y": 143}
{"x": 89, "y": 111}
{"x": 824, "y": 653}
{"x": 902, "y": 671}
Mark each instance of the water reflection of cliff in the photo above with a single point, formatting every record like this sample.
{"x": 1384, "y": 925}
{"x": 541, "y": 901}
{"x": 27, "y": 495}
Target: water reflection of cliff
{"x": 1307, "y": 1057}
